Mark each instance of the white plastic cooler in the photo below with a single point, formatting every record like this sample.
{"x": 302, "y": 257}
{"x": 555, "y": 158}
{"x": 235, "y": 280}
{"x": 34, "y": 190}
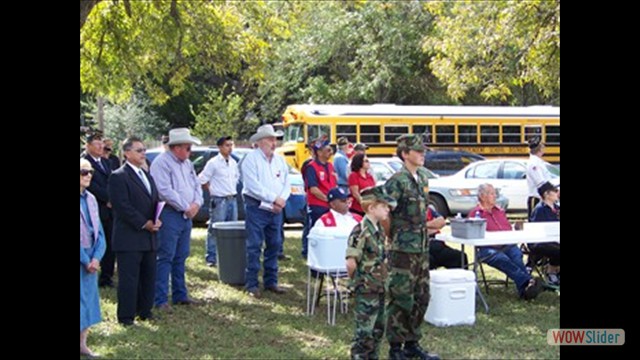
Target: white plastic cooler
{"x": 453, "y": 298}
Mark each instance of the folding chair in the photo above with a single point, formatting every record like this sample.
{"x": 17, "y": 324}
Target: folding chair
{"x": 326, "y": 258}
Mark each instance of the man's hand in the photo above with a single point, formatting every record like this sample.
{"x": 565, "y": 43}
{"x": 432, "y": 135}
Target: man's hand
{"x": 280, "y": 202}
{"x": 93, "y": 266}
{"x": 192, "y": 211}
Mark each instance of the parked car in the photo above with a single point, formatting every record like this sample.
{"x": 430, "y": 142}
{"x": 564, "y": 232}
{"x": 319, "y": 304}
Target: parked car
{"x": 509, "y": 175}
{"x": 447, "y": 162}
{"x": 446, "y": 197}
{"x": 294, "y": 209}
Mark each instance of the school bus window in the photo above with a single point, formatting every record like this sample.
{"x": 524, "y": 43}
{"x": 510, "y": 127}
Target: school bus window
{"x": 531, "y": 131}
{"x": 348, "y": 131}
{"x": 425, "y": 130}
{"x": 489, "y": 134}
{"x": 391, "y": 133}
{"x": 445, "y": 134}
{"x": 467, "y": 134}
{"x": 370, "y": 134}
{"x": 553, "y": 134}
{"x": 315, "y": 132}
{"x": 293, "y": 133}
{"x": 511, "y": 134}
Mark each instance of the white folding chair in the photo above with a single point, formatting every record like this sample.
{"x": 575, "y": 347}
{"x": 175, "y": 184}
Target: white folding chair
{"x": 326, "y": 258}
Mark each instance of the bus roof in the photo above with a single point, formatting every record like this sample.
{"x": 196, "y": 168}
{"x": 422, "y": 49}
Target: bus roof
{"x": 430, "y": 111}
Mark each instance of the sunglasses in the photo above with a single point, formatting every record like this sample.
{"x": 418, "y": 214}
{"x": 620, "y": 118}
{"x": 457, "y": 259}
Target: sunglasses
{"x": 107, "y": 149}
{"x": 141, "y": 150}
{"x": 85, "y": 172}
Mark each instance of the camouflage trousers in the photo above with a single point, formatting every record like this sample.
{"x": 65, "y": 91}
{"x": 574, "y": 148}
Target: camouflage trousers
{"x": 370, "y": 323}
{"x": 408, "y": 295}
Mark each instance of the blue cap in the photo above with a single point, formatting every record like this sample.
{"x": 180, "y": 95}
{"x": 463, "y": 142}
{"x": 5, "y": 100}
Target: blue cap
{"x": 337, "y": 193}
{"x": 319, "y": 144}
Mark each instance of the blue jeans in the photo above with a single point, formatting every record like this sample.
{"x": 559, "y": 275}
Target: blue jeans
{"x": 262, "y": 225}
{"x": 221, "y": 209}
{"x": 509, "y": 261}
{"x": 173, "y": 249}
{"x": 313, "y": 214}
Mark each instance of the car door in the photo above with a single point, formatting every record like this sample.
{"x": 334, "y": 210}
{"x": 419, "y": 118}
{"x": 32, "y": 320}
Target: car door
{"x": 514, "y": 184}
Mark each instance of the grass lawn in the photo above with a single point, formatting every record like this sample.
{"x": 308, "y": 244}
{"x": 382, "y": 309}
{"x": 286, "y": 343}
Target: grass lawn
{"x": 233, "y": 325}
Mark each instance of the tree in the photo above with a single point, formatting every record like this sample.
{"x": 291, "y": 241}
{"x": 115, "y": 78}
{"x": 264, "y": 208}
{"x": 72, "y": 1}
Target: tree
{"x": 506, "y": 50}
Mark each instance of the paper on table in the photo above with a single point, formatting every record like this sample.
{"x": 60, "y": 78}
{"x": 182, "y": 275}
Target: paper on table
{"x": 159, "y": 208}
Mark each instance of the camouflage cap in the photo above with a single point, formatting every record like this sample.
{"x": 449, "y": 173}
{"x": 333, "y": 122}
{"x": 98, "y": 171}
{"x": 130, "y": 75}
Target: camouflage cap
{"x": 411, "y": 142}
{"x": 378, "y": 193}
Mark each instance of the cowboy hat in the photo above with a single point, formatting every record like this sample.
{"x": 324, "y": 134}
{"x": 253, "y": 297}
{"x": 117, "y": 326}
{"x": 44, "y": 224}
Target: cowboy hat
{"x": 265, "y": 131}
{"x": 182, "y": 136}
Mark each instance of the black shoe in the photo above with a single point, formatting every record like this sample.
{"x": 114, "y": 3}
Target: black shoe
{"x": 284, "y": 257}
{"x": 211, "y": 264}
{"x": 396, "y": 353}
{"x": 414, "y": 350}
{"x": 533, "y": 289}
{"x": 108, "y": 284}
{"x": 126, "y": 323}
{"x": 188, "y": 301}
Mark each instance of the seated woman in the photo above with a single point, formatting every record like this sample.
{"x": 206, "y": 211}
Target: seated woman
{"x": 548, "y": 210}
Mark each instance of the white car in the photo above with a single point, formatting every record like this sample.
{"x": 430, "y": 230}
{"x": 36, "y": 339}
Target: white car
{"x": 509, "y": 175}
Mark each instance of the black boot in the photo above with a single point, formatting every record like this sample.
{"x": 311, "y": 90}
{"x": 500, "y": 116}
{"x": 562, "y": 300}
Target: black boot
{"x": 395, "y": 352}
{"x": 413, "y": 350}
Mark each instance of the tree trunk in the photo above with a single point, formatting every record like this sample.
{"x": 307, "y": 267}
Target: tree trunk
{"x": 85, "y": 9}
{"x": 101, "y": 114}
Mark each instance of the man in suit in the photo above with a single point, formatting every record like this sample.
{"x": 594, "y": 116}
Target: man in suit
{"x": 94, "y": 150}
{"x": 134, "y": 197}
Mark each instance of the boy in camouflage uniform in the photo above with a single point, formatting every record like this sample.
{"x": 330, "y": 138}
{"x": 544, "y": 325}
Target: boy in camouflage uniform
{"x": 409, "y": 252}
{"x": 367, "y": 267}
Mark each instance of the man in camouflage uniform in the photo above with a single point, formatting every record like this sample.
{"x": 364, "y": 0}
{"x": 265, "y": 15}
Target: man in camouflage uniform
{"x": 409, "y": 253}
{"x": 368, "y": 269}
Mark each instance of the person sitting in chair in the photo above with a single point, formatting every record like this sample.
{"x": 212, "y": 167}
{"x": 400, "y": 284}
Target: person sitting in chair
{"x": 439, "y": 253}
{"x": 506, "y": 258}
{"x": 548, "y": 210}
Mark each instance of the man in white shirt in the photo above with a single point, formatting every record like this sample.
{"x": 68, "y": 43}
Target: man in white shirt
{"x": 220, "y": 176}
{"x": 537, "y": 172}
{"x": 338, "y": 214}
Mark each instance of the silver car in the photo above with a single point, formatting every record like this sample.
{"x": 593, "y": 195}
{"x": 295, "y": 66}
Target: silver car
{"x": 447, "y": 197}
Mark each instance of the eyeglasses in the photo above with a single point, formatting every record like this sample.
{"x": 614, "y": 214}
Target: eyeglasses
{"x": 366, "y": 160}
{"x": 141, "y": 150}
{"x": 85, "y": 172}
{"x": 107, "y": 149}
{"x": 188, "y": 148}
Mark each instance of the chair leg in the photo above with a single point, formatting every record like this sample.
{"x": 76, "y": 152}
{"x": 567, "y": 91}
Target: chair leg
{"x": 484, "y": 279}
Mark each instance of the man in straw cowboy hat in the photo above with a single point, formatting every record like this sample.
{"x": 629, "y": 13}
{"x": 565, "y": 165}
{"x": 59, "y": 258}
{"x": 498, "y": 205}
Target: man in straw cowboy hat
{"x": 178, "y": 185}
{"x": 265, "y": 176}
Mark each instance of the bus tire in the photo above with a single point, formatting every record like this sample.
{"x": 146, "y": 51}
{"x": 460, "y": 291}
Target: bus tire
{"x": 439, "y": 203}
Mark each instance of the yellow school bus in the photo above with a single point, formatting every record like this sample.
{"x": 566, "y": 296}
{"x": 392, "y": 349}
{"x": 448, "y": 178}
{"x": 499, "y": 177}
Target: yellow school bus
{"x": 491, "y": 131}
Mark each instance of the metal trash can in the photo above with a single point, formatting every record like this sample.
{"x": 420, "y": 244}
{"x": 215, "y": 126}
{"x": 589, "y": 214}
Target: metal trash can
{"x": 232, "y": 251}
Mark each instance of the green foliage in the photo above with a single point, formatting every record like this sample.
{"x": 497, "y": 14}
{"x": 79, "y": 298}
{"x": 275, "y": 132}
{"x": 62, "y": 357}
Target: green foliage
{"x": 497, "y": 48}
{"x": 357, "y": 53}
{"x": 161, "y": 43}
{"x": 220, "y": 115}
{"x": 135, "y": 117}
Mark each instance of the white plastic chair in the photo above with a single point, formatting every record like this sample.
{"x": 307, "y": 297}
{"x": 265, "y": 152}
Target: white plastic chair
{"x": 326, "y": 256}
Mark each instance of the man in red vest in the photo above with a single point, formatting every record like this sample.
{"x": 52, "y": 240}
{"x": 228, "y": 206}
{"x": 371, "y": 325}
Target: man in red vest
{"x": 320, "y": 177}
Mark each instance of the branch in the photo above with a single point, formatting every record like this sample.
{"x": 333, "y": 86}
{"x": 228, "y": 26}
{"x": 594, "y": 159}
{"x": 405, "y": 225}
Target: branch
{"x": 85, "y": 9}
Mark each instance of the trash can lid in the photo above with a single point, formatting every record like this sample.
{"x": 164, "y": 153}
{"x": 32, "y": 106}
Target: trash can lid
{"x": 228, "y": 225}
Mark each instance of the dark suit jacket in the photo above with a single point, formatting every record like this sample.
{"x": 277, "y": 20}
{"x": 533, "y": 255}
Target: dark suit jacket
{"x": 132, "y": 207}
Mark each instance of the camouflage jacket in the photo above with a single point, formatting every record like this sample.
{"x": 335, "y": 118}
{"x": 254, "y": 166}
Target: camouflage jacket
{"x": 366, "y": 246}
{"x": 408, "y": 226}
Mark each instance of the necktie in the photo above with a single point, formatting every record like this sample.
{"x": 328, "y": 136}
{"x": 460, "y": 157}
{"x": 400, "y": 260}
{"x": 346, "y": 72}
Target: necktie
{"x": 144, "y": 181}
{"x": 99, "y": 162}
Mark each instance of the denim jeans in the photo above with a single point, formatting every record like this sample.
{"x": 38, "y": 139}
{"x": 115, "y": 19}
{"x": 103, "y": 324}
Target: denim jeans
{"x": 509, "y": 261}
{"x": 262, "y": 225}
{"x": 221, "y": 209}
{"x": 174, "y": 239}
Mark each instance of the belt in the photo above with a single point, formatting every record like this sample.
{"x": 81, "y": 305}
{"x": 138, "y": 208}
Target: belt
{"x": 227, "y": 197}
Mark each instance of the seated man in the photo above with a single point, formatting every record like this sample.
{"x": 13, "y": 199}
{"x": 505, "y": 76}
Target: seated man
{"x": 338, "y": 214}
{"x": 506, "y": 258}
{"x": 439, "y": 253}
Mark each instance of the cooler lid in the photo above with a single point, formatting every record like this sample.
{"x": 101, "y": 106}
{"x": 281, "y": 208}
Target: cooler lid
{"x": 448, "y": 276}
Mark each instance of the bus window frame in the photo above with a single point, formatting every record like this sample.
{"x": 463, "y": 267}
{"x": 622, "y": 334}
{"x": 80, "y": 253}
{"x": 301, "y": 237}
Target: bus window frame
{"x": 384, "y": 135}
